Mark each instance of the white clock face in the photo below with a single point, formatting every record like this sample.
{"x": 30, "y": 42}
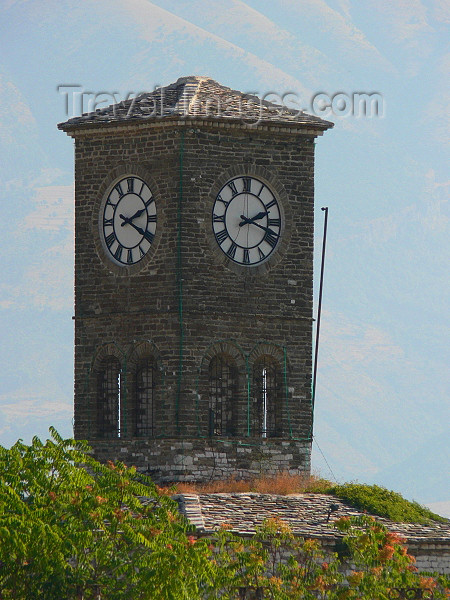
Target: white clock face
{"x": 246, "y": 220}
{"x": 128, "y": 221}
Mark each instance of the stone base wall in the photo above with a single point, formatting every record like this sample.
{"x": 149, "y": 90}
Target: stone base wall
{"x": 431, "y": 556}
{"x": 201, "y": 460}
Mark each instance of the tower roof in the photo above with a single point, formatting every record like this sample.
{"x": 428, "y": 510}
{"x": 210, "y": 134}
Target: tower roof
{"x": 196, "y": 97}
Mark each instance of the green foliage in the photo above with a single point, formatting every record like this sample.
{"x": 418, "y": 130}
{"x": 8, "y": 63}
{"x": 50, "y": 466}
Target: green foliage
{"x": 73, "y": 529}
{"x": 384, "y": 503}
{"x": 68, "y": 532}
{"x": 383, "y": 569}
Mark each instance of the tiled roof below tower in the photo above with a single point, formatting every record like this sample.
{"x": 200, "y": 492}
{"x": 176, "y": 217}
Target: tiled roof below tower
{"x": 309, "y": 516}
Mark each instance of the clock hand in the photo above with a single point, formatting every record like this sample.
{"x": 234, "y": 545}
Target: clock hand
{"x": 260, "y": 215}
{"x": 251, "y": 222}
{"x": 247, "y": 221}
{"x": 261, "y": 226}
{"x": 138, "y": 229}
{"x": 137, "y": 214}
{"x": 126, "y": 220}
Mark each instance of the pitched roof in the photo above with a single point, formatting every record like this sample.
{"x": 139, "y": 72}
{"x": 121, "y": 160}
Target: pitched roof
{"x": 308, "y": 515}
{"x": 200, "y": 98}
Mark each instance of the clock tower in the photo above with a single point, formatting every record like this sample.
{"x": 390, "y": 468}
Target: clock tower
{"x": 194, "y": 218}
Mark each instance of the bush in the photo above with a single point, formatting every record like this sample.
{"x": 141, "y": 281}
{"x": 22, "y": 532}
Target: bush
{"x": 385, "y": 503}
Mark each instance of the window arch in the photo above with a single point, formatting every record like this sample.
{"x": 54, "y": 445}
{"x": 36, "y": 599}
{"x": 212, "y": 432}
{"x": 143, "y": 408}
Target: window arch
{"x": 223, "y": 385}
{"x": 267, "y": 398}
{"x": 144, "y": 421}
{"x": 108, "y": 398}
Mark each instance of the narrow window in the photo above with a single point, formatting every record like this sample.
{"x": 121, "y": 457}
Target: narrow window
{"x": 222, "y": 396}
{"x": 267, "y": 400}
{"x": 145, "y": 398}
{"x": 108, "y": 399}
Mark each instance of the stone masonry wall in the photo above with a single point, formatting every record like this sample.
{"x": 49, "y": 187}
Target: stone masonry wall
{"x": 185, "y": 297}
{"x": 204, "y": 460}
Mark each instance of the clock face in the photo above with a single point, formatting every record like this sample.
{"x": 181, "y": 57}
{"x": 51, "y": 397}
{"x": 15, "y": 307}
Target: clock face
{"x": 128, "y": 221}
{"x": 246, "y": 220}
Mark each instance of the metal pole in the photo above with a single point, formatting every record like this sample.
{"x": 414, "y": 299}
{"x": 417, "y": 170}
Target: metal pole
{"x": 319, "y": 310}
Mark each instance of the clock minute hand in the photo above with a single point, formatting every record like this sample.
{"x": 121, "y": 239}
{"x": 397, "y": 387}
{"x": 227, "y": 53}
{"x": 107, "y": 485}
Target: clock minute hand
{"x": 261, "y": 226}
{"x": 138, "y": 229}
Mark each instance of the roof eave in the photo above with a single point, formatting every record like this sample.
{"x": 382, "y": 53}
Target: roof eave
{"x": 309, "y": 128}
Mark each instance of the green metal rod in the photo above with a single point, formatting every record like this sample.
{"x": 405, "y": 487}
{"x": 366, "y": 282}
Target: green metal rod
{"x": 180, "y": 284}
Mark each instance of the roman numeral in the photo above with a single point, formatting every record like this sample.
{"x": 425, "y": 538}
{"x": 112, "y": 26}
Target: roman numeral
{"x": 141, "y": 252}
{"x": 221, "y": 236}
{"x": 270, "y": 204}
{"x": 149, "y": 236}
{"x": 107, "y": 222}
{"x": 260, "y": 190}
{"x": 218, "y": 218}
{"x": 275, "y": 222}
{"x": 151, "y": 218}
{"x": 246, "y": 182}
{"x": 220, "y": 199}
{"x": 246, "y": 256}
{"x": 130, "y": 256}
{"x": 130, "y": 185}
{"x": 118, "y": 252}
{"x": 111, "y": 203}
{"x": 142, "y": 187}
{"x": 118, "y": 189}
{"x": 232, "y": 250}
{"x": 149, "y": 201}
{"x": 110, "y": 239}
{"x": 233, "y": 189}
{"x": 271, "y": 238}
{"x": 261, "y": 254}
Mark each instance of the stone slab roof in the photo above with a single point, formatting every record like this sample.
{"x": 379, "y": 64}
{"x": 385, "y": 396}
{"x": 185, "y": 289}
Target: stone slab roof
{"x": 200, "y": 98}
{"x": 306, "y": 514}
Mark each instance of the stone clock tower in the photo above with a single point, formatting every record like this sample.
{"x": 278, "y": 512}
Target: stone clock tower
{"x": 193, "y": 282}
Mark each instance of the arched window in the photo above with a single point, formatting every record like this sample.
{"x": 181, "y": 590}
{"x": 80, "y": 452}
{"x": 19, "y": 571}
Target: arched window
{"x": 145, "y": 382}
{"x": 108, "y": 398}
{"x": 267, "y": 398}
{"x": 223, "y": 381}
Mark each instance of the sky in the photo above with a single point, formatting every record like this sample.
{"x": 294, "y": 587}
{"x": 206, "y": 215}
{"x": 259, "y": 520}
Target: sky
{"x": 382, "y": 408}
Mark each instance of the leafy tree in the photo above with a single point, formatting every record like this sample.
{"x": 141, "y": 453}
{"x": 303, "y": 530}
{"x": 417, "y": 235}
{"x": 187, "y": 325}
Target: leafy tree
{"x": 74, "y": 529}
{"x": 72, "y": 532}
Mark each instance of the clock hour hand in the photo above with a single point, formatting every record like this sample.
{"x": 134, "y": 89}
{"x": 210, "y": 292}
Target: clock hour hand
{"x": 260, "y": 215}
{"x": 137, "y": 214}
